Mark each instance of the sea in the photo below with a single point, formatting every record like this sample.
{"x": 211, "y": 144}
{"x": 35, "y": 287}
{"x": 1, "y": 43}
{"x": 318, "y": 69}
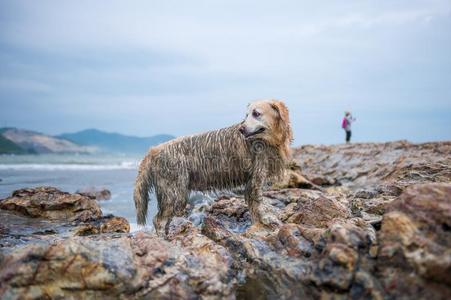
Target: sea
{"x": 70, "y": 173}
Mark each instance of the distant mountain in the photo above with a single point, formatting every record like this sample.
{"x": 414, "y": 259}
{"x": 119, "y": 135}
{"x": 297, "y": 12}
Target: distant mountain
{"x": 20, "y": 141}
{"x": 115, "y": 142}
{"x": 7, "y": 146}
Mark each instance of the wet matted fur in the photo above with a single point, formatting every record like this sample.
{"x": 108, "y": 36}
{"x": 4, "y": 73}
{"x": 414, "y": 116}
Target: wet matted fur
{"x": 245, "y": 154}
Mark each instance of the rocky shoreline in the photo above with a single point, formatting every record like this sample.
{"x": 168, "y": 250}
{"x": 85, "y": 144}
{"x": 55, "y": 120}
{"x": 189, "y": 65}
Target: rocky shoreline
{"x": 360, "y": 221}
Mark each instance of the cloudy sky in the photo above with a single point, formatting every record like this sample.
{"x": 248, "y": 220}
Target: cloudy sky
{"x": 182, "y": 67}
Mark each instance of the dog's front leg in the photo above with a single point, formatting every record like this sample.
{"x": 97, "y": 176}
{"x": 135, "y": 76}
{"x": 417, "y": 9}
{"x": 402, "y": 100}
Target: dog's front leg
{"x": 260, "y": 213}
{"x": 253, "y": 197}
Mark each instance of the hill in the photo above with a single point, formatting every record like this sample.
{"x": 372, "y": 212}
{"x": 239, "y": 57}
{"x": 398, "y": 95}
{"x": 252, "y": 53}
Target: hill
{"x": 7, "y": 146}
{"x": 20, "y": 141}
{"x": 114, "y": 142}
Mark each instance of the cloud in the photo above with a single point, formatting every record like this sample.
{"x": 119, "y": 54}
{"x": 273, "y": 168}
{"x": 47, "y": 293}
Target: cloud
{"x": 21, "y": 85}
{"x": 192, "y": 66}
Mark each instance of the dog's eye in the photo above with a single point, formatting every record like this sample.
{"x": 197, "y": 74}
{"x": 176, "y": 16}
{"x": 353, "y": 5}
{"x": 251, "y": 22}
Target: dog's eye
{"x": 256, "y": 114}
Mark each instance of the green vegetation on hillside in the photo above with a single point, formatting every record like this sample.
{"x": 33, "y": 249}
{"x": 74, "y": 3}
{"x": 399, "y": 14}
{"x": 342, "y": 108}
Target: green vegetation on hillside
{"x": 8, "y": 147}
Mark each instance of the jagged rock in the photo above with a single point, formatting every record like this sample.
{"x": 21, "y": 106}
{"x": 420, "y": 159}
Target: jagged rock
{"x": 94, "y": 258}
{"x": 376, "y": 164}
{"x": 415, "y": 237}
{"x": 95, "y": 193}
{"x": 377, "y": 229}
{"x": 106, "y": 224}
{"x": 319, "y": 246}
{"x": 54, "y": 215}
{"x": 323, "y": 247}
{"x": 51, "y": 203}
{"x": 110, "y": 267}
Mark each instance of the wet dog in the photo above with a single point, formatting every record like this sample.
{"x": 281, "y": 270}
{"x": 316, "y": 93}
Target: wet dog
{"x": 242, "y": 155}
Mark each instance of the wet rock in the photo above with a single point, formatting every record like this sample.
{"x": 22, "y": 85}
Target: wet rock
{"x": 51, "y": 203}
{"x": 78, "y": 258}
{"x": 319, "y": 212}
{"x": 415, "y": 237}
{"x": 45, "y": 214}
{"x": 367, "y": 164}
{"x": 318, "y": 246}
{"x": 95, "y": 193}
{"x": 133, "y": 267}
{"x": 291, "y": 239}
{"x": 106, "y": 224}
{"x": 378, "y": 228}
{"x": 231, "y": 212}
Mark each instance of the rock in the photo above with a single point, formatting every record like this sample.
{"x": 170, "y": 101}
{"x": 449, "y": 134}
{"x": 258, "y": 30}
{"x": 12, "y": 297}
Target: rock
{"x": 51, "y": 203}
{"x": 107, "y": 224}
{"x": 322, "y": 249}
{"x": 318, "y": 247}
{"x": 45, "y": 214}
{"x": 318, "y": 213}
{"x": 95, "y": 193}
{"x": 133, "y": 267}
{"x": 415, "y": 237}
{"x": 375, "y": 164}
{"x": 57, "y": 258}
{"x": 378, "y": 228}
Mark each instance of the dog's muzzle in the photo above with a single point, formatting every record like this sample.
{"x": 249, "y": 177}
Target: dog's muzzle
{"x": 247, "y": 134}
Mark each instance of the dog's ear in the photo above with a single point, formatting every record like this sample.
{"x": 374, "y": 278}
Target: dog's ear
{"x": 284, "y": 119}
{"x": 281, "y": 109}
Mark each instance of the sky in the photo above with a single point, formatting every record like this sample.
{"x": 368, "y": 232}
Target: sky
{"x": 182, "y": 67}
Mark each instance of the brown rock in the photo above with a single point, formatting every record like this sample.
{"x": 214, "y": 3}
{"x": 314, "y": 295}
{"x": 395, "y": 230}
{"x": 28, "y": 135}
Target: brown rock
{"x": 415, "y": 237}
{"x": 373, "y": 233}
{"x": 51, "y": 203}
{"x": 95, "y": 193}
{"x": 397, "y": 164}
{"x": 107, "y": 224}
{"x": 318, "y": 213}
{"x": 139, "y": 267}
{"x": 291, "y": 238}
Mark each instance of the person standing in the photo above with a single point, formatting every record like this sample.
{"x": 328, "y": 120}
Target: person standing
{"x": 346, "y": 125}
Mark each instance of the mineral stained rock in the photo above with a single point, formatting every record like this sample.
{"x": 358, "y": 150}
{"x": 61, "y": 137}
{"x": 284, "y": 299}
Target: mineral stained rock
{"x": 377, "y": 228}
{"x": 95, "y": 193}
{"x": 46, "y": 213}
{"x": 51, "y": 203}
{"x": 118, "y": 266}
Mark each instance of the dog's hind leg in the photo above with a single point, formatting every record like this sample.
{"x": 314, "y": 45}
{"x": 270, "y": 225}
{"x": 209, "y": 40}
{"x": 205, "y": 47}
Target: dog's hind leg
{"x": 172, "y": 199}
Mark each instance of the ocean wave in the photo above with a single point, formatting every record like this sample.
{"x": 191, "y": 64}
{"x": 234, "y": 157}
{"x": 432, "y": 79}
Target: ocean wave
{"x": 126, "y": 165}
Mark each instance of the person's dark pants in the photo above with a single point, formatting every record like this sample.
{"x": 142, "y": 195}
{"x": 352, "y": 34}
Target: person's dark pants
{"x": 348, "y": 136}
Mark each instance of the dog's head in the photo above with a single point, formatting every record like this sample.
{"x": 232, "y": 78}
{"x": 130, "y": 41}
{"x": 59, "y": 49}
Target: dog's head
{"x": 268, "y": 120}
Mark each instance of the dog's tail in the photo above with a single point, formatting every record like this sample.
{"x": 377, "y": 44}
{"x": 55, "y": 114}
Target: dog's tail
{"x": 143, "y": 185}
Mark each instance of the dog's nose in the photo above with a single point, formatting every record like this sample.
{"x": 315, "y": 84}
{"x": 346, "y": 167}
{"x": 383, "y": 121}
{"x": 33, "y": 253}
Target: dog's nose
{"x": 242, "y": 130}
